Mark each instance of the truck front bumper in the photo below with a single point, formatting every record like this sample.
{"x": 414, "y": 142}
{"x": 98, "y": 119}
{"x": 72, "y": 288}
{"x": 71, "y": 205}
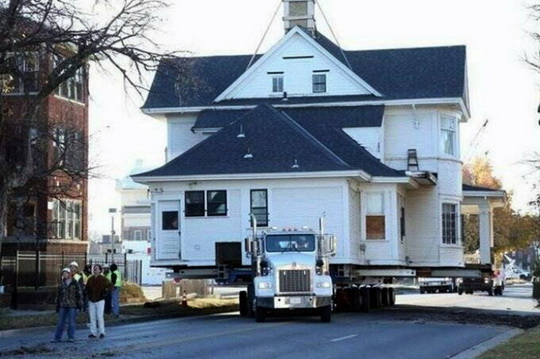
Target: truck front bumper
{"x": 294, "y": 302}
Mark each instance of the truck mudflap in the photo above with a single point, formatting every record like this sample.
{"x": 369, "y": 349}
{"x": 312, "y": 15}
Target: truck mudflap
{"x": 294, "y": 302}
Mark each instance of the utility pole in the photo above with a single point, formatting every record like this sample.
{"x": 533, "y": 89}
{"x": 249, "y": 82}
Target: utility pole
{"x": 112, "y": 211}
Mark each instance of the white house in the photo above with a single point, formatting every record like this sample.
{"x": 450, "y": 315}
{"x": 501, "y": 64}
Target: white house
{"x": 370, "y": 138}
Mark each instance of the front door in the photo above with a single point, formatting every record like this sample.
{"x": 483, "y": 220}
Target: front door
{"x": 168, "y": 224}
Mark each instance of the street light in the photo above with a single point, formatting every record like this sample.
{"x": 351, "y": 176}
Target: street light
{"x": 112, "y": 211}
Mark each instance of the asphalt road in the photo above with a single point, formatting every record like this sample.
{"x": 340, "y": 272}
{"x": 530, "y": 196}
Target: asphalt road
{"x": 379, "y": 334}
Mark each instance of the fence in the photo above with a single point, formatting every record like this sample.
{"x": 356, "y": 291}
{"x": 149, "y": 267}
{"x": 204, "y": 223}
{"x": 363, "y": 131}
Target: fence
{"x": 37, "y": 269}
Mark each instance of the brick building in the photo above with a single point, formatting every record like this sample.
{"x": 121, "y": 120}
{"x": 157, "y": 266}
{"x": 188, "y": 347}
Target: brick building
{"x": 50, "y": 212}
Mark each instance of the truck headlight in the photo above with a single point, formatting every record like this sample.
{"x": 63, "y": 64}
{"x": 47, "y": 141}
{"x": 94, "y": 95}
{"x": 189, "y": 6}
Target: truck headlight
{"x": 324, "y": 285}
{"x": 264, "y": 285}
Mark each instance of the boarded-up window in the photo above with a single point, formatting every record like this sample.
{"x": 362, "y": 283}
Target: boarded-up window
{"x": 375, "y": 219}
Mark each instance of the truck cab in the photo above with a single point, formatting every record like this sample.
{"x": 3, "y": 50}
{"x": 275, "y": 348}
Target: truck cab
{"x": 290, "y": 273}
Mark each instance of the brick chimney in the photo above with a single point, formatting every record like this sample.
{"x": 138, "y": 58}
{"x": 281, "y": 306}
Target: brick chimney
{"x": 299, "y": 12}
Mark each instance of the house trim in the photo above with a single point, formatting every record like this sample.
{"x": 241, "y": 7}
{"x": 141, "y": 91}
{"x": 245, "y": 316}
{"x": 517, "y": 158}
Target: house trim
{"x": 426, "y": 101}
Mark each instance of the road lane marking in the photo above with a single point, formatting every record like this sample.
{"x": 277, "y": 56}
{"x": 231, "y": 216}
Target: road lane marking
{"x": 344, "y": 338}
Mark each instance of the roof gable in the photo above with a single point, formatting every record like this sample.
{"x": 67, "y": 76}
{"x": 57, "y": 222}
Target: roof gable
{"x": 296, "y": 56}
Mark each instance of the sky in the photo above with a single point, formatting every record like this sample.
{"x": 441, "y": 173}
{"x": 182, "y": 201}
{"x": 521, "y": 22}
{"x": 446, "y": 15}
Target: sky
{"x": 503, "y": 88}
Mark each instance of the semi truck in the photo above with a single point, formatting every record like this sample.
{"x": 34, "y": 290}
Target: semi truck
{"x": 290, "y": 272}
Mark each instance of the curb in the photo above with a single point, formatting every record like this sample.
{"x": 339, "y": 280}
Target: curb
{"x": 483, "y": 347}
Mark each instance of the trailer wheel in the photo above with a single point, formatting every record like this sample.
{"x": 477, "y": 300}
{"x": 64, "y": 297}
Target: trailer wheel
{"x": 375, "y": 294}
{"x": 243, "y": 303}
{"x": 326, "y": 314}
{"x": 460, "y": 291}
{"x": 356, "y": 299}
{"x": 384, "y": 299}
{"x": 391, "y": 296}
{"x": 490, "y": 292}
{"x": 364, "y": 293}
{"x": 260, "y": 314}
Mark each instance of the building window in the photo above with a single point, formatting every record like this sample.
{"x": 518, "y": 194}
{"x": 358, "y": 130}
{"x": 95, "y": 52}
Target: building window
{"x": 215, "y": 205}
{"x": 319, "y": 83}
{"x": 67, "y": 219}
{"x": 25, "y": 80}
{"x": 448, "y": 135}
{"x": 259, "y": 206}
{"x": 149, "y": 235}
{"x": 277, "y": 83}
{"x": 137, "y": 235}
{"x": 375, "y": 219}
{"x": 449, "y": 223}
{"x": 73, "y": 87}
{"x": 194, "y": 203}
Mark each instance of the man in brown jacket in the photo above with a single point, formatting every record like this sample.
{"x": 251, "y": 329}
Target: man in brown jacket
{"x": 97, "y": 288}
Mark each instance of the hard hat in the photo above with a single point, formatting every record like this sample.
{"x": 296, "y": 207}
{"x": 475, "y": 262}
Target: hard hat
{"x": 66, "y": 270}
{"x": 74, "y": 264}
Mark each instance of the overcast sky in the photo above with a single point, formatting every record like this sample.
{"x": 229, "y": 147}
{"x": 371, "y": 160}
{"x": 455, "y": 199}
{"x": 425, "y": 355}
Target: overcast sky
{"x": 502, "y": 87}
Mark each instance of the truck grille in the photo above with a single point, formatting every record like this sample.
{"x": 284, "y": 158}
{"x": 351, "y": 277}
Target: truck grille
{"x": 294, "y": 280}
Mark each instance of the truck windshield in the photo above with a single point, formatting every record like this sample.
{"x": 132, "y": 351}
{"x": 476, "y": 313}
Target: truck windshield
{"x": 290, "y": 242}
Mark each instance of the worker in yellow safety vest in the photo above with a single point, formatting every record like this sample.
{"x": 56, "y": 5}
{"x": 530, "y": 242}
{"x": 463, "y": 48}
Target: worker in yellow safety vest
{"x": 116, "y": 279}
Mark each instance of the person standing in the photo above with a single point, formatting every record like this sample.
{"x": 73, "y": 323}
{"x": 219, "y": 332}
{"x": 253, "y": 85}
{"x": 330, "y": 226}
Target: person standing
{"x": 107, "y": 273}
{"x": 97, "y": 288}
{"x": 69, "y": 301}
{"x": 116, "y": 280}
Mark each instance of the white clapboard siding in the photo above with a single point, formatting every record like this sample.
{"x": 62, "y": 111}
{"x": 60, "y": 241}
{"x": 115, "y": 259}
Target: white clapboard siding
{"x": 297, "y": 73}
{"x": 180, "y": 138}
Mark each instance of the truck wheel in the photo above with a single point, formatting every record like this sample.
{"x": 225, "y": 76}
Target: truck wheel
{"x": 326, "y": 314}
{"x": 375, "y": 294}
{"x": 422, "y": 291}
{"x": 260, "y": 315}
{"x": 243, "y": 303}
{"x": 391, "y": 296}
{"x": 250, "y": 301}
{"x": 356, "y": 299}
{"x": 364, "y": 293}
{"x": 460, "y": 291}
{"x": 384, "y": 295}
{"x": 490, "y": 292}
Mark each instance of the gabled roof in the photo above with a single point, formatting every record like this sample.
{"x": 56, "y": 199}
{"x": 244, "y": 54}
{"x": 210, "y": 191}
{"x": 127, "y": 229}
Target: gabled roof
{"x": 339, "y": 117}
{"x": 398, "y": 74}
{"x": 274, "y": 143}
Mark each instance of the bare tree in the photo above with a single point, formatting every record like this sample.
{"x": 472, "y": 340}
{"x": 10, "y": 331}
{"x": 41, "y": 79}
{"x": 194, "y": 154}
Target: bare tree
{"x": 63, "y": 37}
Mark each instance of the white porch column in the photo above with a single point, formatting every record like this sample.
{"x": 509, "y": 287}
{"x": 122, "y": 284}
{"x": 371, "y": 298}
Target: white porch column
{"x": 486, "y": 233}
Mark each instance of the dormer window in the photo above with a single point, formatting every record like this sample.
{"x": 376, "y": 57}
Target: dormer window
{"x": 277, "y": 83}
{"x": 319, "y": 83}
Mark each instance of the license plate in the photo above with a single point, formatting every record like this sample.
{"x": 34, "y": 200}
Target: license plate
{"x": 295, "y": 300}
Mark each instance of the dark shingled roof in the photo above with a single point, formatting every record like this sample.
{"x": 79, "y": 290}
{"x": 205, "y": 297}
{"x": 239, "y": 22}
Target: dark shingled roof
{"x": 468, "y": 187}
{"x": 434, "y": 72}
{"x": 276, "y": 141}
{"x": 341, "y": 117}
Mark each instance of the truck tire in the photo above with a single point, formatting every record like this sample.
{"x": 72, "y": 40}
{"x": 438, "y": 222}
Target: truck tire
{"x": 375, "y": 297}
{"x": 384, "y": 294}
{"x": 391, "y": 296}
{"x": 356, "y": 299}
{"x": 490, "y": 292}
{"x": 422, "y": 291}
{"x": 326, "y": 314}
{"x": 364, "y": 293}
{"x": 251, "y": 301}
{"x": 460, "y": 291}
{"x": 243, "y": 303}
{"x": 260, "y": 314}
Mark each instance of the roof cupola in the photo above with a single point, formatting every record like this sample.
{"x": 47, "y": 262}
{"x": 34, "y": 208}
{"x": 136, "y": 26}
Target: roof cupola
{"x": 299, "y": 13}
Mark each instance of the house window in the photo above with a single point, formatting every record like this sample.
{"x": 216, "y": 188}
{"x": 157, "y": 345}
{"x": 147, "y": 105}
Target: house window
{"x": 449, "y": 223}
{"x": 277, "y": 83}
{"x": 319, "y": 83}
{"x": 194, "y": 203}
{"x": 67, "y": 219}
{"x": 215, "y": 205}
{"x": 169, "y": 220}
{"x": 448, "y": 135}
{"x": 375, "y": 219}
{"x": 137, "y": 235}
{"x": 259, "y": 206}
